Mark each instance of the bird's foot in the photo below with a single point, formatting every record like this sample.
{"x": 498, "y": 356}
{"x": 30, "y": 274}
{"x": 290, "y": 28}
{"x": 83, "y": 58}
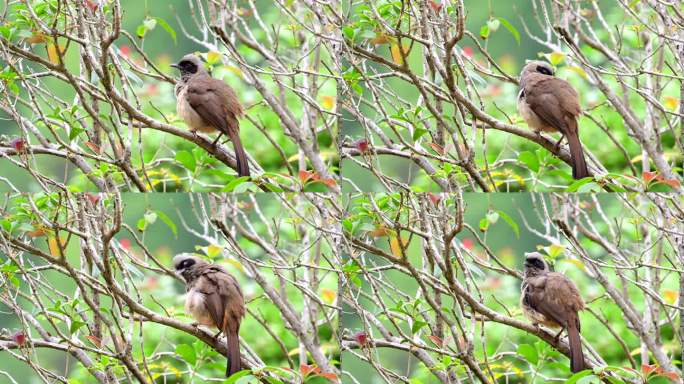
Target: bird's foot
{"x": 216, "y": 336}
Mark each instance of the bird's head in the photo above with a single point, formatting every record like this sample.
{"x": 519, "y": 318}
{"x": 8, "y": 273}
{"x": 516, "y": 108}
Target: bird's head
{"x": 186, "y": 264}
{"x": 535, "y": 264}
{"x": 189, "y": 65}
{"x": 536, "y": 66}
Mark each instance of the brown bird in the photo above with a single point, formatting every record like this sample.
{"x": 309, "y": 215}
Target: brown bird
{"x": 551, "y": 299}
{"x": 550, "y": 104}
{"x": 214, "y": 299}
{"x": 207, "y": 105}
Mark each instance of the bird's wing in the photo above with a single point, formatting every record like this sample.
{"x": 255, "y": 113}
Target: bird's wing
{"x": 210, "y": 98}
{"x": 209, "y": 285}
{"x": 545, "y": 98}
{"x": 224, "y": 299}
{"x": 556, "y": 298}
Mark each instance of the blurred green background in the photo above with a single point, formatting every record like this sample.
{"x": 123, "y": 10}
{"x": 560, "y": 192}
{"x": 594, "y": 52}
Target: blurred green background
{"x": 164, "y": 241}
{"x": 499, "y": 99}
{"x": 174, "y": 164}
{"x": 501, "y": 343}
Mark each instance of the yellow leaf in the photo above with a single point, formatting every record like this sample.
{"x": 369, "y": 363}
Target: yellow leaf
{"x": 328, "y": 102}
{"x": 556, "y": 57}
{"x": 396, "y": 53}
{"x": 328, "y": 295}
{"x": 213, "y": 250}
{"x": 236, "y": 264}
{"x": 53, "y": 55}
{"x": 233, "y": 69}
{"x": 396, "y": 247}
{"x": 380, "y": 38}
{"x": 213, "y": 57}
{"x": 670, "y": 295}
{"x": 577, "y": 263}
{"x": 53, "y": 246}
{"x": 578, "y": 70}
{"x": 293, "y": 352}
{"x": 671, "y": 102}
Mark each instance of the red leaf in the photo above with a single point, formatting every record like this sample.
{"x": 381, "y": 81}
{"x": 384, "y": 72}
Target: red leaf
{"x": 93, "y": 198}
{"x": 647, "y": 368}
{"x": 330, "y": 182}
{"x": 93, "y": 147}
{"x": 361, "y": 337}
{"x": 649, "y": 176}
{"x": 306, "y": 369}
{"x": 362, "y": 145}
{"x": 125, "y": 244}
{"x": 436, "y": 340}
{"x": 97, "y": 342}
{"x": 435, "y": 5}
{"x": 329, "y": 375}
{"x": 125, "y": 50}
{"x": 18, "y": 144}
{"x": 435, "y": 198}
{"x": 92, "y": 4}
{"x": 672, "y": 376}
{"x": 437, "y": 148}
{"x": 19, "y": 337}
{"x": 304, "y": 176}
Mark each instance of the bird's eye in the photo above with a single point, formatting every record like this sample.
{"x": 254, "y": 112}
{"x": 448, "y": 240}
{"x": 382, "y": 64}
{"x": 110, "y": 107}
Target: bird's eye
{"x": 544, "y": 70}
{"x": 186, "y": 264}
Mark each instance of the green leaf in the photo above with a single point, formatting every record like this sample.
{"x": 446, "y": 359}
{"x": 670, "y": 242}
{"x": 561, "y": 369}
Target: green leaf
{"x": 510, "y": 28}
{"x": 241, "y": 376}
{"x": 140, "y": 31}
{"x": 75, "y": 325}
{"x": 529, "y": 353}
{"x": 580, "y": 377}
{"x": 417, "y": 325}
{"x": 167, "y": 28}
{"x": 578, "y": 183}
{"x": 187, "y": 159}
{"x": 511, "y": 223}
{"x": 187, "y": 352}
{"x": 484, "y": 225}
{"x": 530, "y": 160}
{"x": 484, "y": 32}
{"x": 142, "y": 224}
{"x": 74, "y": 132}
{"x": 418, "y": 132}
{"x": 168, "y": 222}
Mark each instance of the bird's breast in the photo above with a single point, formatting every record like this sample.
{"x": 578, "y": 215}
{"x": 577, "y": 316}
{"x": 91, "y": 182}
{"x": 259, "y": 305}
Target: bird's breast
{"x": 533, "y": 121}
{"x": 195, "y": 305}
{"x": 192, "y": 119}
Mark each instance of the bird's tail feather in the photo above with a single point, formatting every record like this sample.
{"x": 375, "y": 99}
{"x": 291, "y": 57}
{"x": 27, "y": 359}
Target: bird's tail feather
{"x": 576, "y": 355}
{"x": 234, "y": 364}
{"x": 240, "y": 155}
{"x": 579, "y": 165}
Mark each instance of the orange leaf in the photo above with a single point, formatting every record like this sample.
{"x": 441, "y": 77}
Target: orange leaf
{"x": 437, "y": 148}
{"x": 328, "y": 295}
{"x": 94, "y": 340}
{"x": 328, "y": 102}
{"x": 671, "y": 102}
{"x": 306, "y": 369}
{"x": 93, "y": 147}
{"x": 396, "y": 247}
{"x": 37, "y": 38}
{"x": 396, "y": 53}
{"x": 53, "y": 55}
{"x": 380, "y": 231}
{"x": 54, "y": 246}
{"x": 329, "y": 375}
{"x": 380, "y": 38}
{"x": 670, "y": 295}
{"x": 330, "y": 182}
{"x": 38, "y": 231}
{"x": 304, "y": 176}
{"x": 647, "y": 369}
{"x": 436, "y": 340}
{"x": 649, "y": 176}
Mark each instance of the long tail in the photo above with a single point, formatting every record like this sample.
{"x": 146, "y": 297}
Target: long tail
{"x": 233, "y": 353}
{"x": 576, "y": 355}
{"x": 240, "y": 155}
{"x": 579, "y": 165}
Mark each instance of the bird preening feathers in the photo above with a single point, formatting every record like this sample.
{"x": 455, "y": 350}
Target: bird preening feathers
{"x": 213, "y": 299}
{"x": 550, "y": 104}
{"x": 208, "y": 104}
{"x": 551, "y": 299}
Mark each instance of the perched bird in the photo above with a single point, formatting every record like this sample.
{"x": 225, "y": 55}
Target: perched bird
{"x": 551, "y": 299}
{"x": 207, "y": 105}
{"x": 550, "y": 104}
{"x": 214, "y": 299}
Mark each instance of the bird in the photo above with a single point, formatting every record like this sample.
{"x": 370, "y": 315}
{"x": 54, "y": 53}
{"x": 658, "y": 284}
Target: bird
{"x": 214, "y": 299}
{"x": 551, "y": 299}
{"x": 207, "y": 104}
{"x": 550, "y": 104}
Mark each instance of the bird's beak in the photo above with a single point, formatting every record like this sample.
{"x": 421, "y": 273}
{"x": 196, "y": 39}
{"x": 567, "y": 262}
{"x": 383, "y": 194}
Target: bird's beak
{"x": 174, "y": 65}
